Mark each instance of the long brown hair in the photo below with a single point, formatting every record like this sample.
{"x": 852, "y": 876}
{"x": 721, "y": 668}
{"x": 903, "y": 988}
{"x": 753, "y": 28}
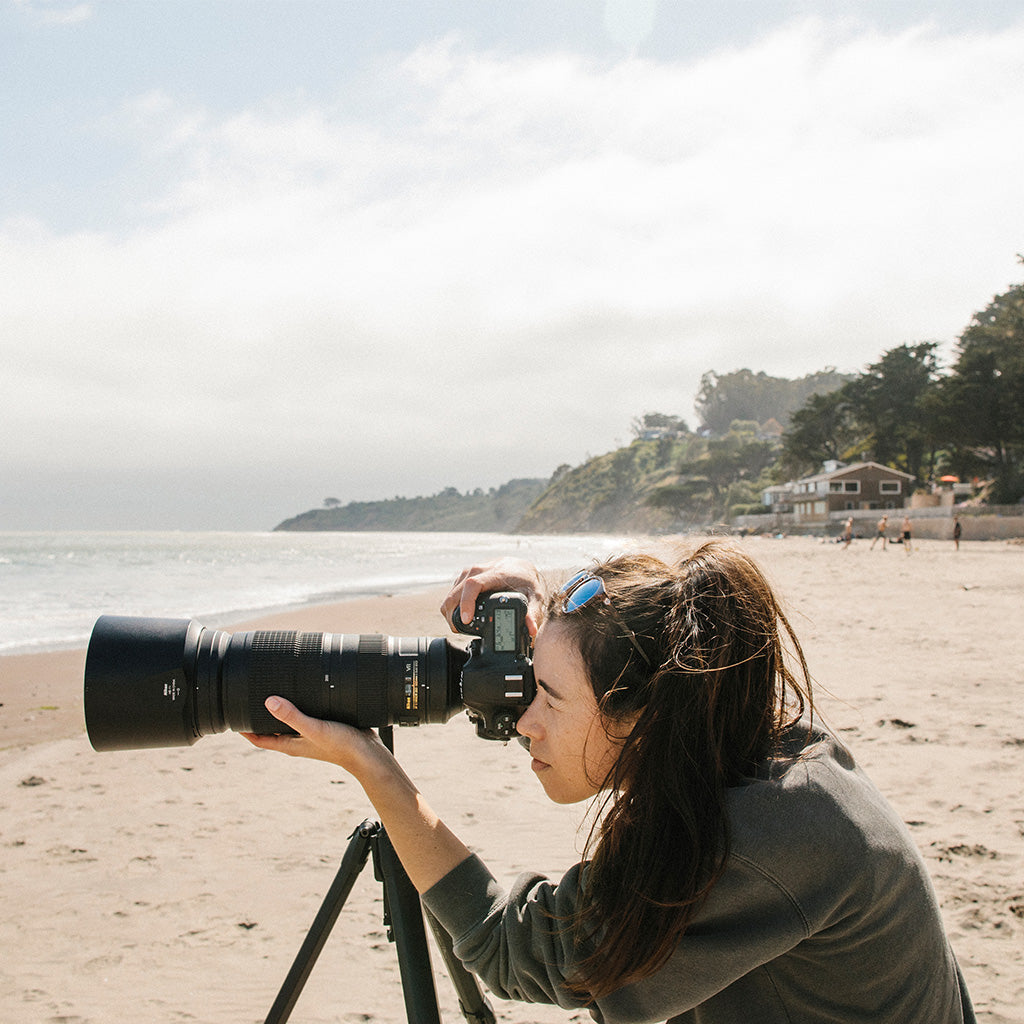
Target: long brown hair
{"x": 708, "y": 710}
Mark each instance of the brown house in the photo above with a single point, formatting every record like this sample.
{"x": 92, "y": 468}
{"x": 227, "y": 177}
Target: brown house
{"x": 864, "y": 485}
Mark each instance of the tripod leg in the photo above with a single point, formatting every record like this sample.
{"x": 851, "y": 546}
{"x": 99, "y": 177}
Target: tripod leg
{"x": 404, "y": 913}
{"x": 475, "y": 1008}
{"x": 351, "y": 864}
{"x": 406, "y": 916}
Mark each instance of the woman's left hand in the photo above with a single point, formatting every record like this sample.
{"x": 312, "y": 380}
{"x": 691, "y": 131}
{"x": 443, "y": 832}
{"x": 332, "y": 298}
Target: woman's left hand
{"x": 502, "y": 574}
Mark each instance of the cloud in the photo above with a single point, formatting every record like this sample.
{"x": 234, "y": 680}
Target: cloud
{"x": 508, "y": 245}
{"x": 56, "y": 12}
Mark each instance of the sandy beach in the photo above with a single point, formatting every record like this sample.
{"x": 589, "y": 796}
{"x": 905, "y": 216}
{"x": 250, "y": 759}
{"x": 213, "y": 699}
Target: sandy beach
{"x": 177, "y": 885}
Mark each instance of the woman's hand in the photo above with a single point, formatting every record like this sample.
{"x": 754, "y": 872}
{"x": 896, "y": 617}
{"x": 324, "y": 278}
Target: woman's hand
{"x": 504, "y": 574}
{"x": 355, "y": 750}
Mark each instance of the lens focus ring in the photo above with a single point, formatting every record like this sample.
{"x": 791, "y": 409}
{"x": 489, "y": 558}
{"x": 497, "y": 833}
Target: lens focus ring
{"x": 288, "y": 664}
{"x": 372, "y": 680}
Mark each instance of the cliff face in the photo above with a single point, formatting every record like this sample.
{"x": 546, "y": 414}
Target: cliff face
{"x": 498, "y": 510}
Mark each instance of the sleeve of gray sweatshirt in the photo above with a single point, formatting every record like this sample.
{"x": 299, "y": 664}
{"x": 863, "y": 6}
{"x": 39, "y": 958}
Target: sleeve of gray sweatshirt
{"x": 513, "y": 942}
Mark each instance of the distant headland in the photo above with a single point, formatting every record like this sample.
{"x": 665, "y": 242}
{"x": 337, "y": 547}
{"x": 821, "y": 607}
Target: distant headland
{"x": 498, "y": 510}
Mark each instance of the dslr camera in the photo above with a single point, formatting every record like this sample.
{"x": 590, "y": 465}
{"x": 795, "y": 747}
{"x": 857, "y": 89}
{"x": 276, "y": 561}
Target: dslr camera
{"x": 167, "y": 682}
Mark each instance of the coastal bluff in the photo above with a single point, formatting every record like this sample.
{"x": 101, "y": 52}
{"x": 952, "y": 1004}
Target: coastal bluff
{"x": 498, "y": 510}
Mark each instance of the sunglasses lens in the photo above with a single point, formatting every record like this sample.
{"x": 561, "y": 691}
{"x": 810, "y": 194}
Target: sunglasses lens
{"x": 584, "y": 593}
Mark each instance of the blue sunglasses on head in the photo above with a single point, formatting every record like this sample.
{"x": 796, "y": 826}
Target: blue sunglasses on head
{"x": 584, "y": 589}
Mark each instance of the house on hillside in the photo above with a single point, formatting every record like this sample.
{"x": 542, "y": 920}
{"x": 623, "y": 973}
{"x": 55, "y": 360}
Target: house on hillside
{"x": 778, "y": 497}
{"x": 839, "y": 488}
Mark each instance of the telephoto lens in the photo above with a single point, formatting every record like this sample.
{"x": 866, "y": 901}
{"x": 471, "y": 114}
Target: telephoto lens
{"x": 167, "y": 682}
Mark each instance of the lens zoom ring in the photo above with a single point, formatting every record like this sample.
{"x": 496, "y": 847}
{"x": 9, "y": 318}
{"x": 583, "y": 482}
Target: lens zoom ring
{"x": 372, "y": 681}
{"x": 287, "y": 664}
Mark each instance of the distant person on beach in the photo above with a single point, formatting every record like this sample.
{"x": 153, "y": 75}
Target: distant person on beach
{"x": 882, "y": 526}
{"x": 741, "y": 868}
{"x": 848, "y": 532}
{"x": 957, "y": 532}
{"x": 906, "y": 534}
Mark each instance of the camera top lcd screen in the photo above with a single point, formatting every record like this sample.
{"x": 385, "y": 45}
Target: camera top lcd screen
{"x": 504, "y": 629}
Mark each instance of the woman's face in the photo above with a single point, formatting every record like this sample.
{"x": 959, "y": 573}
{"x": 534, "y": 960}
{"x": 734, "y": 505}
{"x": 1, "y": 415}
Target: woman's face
{"x": 572, "y": 752}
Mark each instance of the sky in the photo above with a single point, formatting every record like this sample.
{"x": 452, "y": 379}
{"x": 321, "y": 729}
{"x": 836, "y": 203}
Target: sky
{"x": 258, "y": 253}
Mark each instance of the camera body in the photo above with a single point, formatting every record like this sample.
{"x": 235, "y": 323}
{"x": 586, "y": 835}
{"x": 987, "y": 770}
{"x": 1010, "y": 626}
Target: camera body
{"x": 168, "y": 682}
{"x": 497, "y": 681}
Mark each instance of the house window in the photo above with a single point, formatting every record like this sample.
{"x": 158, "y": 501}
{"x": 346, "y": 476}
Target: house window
{"x": 836, "y": 486}
{"x": 889, "y": 487}
{"x": 851, "y": 486}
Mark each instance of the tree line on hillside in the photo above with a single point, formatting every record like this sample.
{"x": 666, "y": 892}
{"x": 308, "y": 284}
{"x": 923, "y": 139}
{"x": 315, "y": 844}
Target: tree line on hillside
{"x": 904, "y": 411}
{"x": 496, "y": 510}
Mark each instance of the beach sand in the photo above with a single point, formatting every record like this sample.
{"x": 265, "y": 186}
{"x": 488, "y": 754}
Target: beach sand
{"x": 178, "y": 885}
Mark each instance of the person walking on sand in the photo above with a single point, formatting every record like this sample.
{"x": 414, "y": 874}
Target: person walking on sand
{"x": 957, "y": 532}
{"x": 905, "y": 529}
{"x": 883, "y": 525}
{"x": 739, "y": 867}
{"x": 848, "y": 532}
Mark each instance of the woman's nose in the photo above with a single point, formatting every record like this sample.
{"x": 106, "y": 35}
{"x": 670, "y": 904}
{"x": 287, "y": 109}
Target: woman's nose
{"x": 527, "y": 725}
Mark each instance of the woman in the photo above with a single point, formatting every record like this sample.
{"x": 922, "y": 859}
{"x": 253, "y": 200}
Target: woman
{"x": 743, "y": 868}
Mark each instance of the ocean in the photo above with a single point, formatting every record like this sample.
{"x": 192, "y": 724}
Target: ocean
{"x": 53, "y": 586}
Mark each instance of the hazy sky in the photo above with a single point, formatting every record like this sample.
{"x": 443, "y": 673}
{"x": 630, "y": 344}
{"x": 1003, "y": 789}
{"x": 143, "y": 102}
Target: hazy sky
{"x": 255, "y": 253}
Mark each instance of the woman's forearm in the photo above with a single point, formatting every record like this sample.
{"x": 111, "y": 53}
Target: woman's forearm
{"x": 426, "y": 847}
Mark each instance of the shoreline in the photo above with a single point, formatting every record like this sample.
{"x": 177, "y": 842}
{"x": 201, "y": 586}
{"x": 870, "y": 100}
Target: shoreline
{"x": 228, "y": 620}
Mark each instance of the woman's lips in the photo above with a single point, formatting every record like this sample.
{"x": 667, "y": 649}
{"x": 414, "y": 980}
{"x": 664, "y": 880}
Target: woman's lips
{"x": 539, "y": 766}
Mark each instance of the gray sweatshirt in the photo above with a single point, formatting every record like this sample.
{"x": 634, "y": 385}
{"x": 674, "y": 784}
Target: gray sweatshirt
{"x": 824, "y": 913}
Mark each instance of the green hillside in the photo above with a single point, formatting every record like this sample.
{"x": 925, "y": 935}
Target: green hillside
{"x": 498, "y": 510}
{"x": 609, "y": 493}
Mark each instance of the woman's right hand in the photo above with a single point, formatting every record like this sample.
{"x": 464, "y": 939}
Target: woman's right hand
{"x": 504, "y": 574}
{"x": 355, "y": 750}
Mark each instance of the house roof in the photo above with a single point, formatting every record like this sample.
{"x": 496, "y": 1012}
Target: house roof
{"x": 854, "y": 468}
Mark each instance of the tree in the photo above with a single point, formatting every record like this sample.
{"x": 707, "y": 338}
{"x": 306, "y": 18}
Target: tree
{"x": 824, "y": 428}
{"x": 331, "y": 502}
{"x": 658, "y": 421}
{"x": 887, "y": 412}
{"x": 740, "y": 395}
{"x": 708, "y": 481}
{"x": 889, "y": 404}
{"x": 744, "y": 395}
{"x": 688, "y": 497}
{"x": 753, "y": 458}
{"x": 981, "y": 403}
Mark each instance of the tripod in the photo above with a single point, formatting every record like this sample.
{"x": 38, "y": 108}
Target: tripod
{"x": 403, "y": 915}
